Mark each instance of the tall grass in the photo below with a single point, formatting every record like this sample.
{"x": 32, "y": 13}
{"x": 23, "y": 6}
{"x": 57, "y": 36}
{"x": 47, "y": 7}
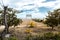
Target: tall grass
{"x": 46, "y": 36}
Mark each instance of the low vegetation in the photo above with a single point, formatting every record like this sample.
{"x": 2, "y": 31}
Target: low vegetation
{"x": 28, "y": 31}
{"x": 32, "y": 24}
{"x": 12, "y": 38}
{"x": 46, "y": 36}
{"x": 9, "y": 18}
{"x": 37, "y": 20}
{"x": 53, "y": 18}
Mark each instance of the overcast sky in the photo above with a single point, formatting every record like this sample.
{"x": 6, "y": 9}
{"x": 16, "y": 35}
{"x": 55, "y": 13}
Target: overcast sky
{"x": 37, "y": 8}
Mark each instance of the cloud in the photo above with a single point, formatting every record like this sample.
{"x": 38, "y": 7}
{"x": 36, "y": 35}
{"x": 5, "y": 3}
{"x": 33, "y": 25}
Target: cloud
{"x": 33, "y": 7}
{"x": 24, "y": 4}
{"x": 27, "y": 5}
{"x": 35, "y": 14}
{"x": 35, "y": 3}
{"x": 57, "y": 5}
{"x": 5, "y": 2}
{"x": 43, "y": 9}
{"x": 39, "y": 15}
{"x": 49, "y": 0}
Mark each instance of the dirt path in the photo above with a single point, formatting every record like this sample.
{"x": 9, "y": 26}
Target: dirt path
{"x": 39, "y": 29}
{"x": 19, "y": 30}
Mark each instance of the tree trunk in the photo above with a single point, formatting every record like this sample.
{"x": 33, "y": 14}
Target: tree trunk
{"x": 5, "y": 19}
{"x": 52, "y": 28}
{"x": 5, "y": 23}
{"x": 1, "y": 37}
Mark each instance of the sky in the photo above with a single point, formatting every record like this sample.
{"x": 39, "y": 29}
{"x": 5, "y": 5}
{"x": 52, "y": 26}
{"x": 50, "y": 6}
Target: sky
{"x": 35, "y": 8}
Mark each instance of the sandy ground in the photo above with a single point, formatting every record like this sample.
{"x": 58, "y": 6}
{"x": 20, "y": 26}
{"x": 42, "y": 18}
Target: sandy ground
{"x": 2, "y": 28}
{"x": 19, "y": 30}
{"x": 25, "y": 24}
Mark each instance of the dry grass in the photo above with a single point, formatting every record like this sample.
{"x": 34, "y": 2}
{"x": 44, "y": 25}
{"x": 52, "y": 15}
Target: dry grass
{"x": 40, "y": 28}
{"x": 21, "y": 30}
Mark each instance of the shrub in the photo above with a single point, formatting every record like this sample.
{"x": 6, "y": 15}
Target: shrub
{"x": 47, "y": 36}
{"x": 32, "y": 24}
{"x": 28, "y": 31}
{"x": 37, "y": 20}
{"x": 12, "y": 38}
{"x": 29, "y": 37}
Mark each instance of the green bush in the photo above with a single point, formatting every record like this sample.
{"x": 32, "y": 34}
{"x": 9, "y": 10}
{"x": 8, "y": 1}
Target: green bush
{"x": 32, "y": 24}
{"x": 37, "y": 20}
{"x": 12, "y": 38}
{"x": 29, "y": 37}
{"x": 46, "y": 36}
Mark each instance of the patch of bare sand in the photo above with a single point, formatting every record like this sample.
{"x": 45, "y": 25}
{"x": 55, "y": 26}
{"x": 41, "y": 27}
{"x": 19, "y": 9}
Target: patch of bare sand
{"x": 2, "y": 28}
